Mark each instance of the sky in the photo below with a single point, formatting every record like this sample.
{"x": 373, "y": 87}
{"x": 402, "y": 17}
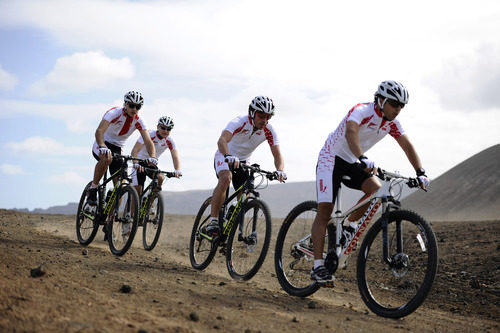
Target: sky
{"x": 63, "y": 63}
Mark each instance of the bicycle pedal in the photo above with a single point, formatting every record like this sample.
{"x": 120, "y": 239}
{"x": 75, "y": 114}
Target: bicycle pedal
{"x": 329, "y": 284}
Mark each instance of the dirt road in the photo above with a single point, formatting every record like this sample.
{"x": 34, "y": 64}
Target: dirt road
{"x": 82, "y": 288}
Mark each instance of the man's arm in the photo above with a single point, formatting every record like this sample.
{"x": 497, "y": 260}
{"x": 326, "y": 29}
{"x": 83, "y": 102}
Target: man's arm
{"x": 224, "y": 139}
{"x": 279, "y": 163}
{"x": 175, "y": 159}
{"x": 405, "y": 144}
{"x": 352, "y": 137}
{"x": 150, "y": 146}
{"x": 99, "y": 133}
{"x": 137, "y": 147}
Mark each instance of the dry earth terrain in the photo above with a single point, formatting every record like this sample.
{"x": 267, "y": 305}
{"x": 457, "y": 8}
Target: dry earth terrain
{"x": 82, "y": 288}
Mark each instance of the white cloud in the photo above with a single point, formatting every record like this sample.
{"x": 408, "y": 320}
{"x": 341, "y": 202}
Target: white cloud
{"x": 67, "y": 178}
{"x": 12, "y": 169}
{"x": 7, "y": 81}
{"x": 470, "y": 81}
{"x": 83, "y": 72}
{"x": 45, "y": 146}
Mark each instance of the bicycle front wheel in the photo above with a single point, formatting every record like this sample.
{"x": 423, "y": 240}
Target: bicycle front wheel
{"x": 293, "y": 255}
{"x": 153, "y": 221}
{"x": 202, "y": 248}
{"x": 86, "y": 219}
{"x": 396, "y": 287}
{"x": 122, "y": 224}
{"x": 249, "y": 240}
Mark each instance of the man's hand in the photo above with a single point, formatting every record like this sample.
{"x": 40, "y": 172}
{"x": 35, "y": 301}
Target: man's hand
{"x": 423, "y": 180}
{"x": 281, "y": 175}
{"x": 233, "y": 161}
{"x": 366, "y": 163}
{"x": 104, "y": 151}
{"x": 152, "y": 161}
{"x": 177, "y": 173}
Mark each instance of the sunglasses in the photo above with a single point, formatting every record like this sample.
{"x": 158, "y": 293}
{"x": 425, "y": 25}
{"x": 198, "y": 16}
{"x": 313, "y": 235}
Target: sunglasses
{"x": 165, "y": 128}
{"x": 134, "y": 106}
{"x": 395, "y": 103}
{"x": 263, "y": 115}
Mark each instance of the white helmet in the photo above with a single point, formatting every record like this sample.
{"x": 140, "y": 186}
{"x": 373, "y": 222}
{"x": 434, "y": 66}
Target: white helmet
{"x": 166, "y": 121}
{"x": 262, "y": 104}
{"x": 393, "y": 90}
{"x": 134, "y": 97}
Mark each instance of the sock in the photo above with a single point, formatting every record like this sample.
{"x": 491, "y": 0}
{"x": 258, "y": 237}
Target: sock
{"x": 353, "y": 225}
{"x": 318, "y": 262}
{"x": 212, "y": 219}
{"x": 93, "y": 185}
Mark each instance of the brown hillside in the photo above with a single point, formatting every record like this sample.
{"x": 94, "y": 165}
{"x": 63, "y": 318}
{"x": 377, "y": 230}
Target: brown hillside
{"x": 469, "y": 191}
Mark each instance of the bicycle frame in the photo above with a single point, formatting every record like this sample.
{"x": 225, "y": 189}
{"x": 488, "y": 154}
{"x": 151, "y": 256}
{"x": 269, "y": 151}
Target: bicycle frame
{"x": 380, "y": 198}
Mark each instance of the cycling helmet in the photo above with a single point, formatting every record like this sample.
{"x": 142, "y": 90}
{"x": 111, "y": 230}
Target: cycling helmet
{"x": 262, "y": 104}
{"x": 166, "y": 121}
{"x": 134, "y": 97}
{"x": 393, "y": 90}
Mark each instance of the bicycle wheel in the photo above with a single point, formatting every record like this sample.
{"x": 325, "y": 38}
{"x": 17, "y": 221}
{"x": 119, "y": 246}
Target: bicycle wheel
{"x": 201, "y": 247}
{"x": 293, "y": 255}
{"x": 122, "y": 224}
{"x": 153, "y": 221}
{"x": 86, "y": 222}
{"x": 249, "y": 240}
{"x": 398, "y": 288}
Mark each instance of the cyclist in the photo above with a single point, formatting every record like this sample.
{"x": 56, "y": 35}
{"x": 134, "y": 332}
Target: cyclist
{"x": 363, "y": 126}
{"x": 162, "y": 141}
{"x": 116, "y": 126}
{"x": 236, "y": 143}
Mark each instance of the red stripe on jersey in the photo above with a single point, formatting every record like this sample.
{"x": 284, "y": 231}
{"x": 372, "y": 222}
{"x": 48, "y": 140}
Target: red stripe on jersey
{"x": 138, "y": 124}
{"x": 126, "y": 126}
{"x": 394, "y": 132}
{"x": 239, "y": 128}
{"x": 169, "y": 145}
{"x": 269, "y": 136}
{"x": 115, "y": 119}
{"x": 377, "y": 110}
{"x": 365, "y": 120}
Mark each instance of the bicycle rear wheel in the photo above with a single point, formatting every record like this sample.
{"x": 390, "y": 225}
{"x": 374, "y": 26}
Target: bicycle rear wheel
{"x": 202, "y": 248}
{"x": 86, "y": 221}
{"x": 293, "y": 255}
{"x": 398, "y": 288}
{"x": 153, "y": 221}
{"x": 122, "y": 224}
{"x": 249, "y": 240}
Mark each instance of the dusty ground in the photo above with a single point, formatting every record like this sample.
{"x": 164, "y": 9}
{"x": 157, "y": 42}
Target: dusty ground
{"x": 80, "y": 291}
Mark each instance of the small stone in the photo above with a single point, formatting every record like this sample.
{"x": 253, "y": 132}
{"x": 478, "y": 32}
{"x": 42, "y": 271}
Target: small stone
{"x": 194, "y": 316}
{"x": 126, "y": 289}
{"x": 85, "y": 252}
{"x": 39, "y": 271}
{"x": 311, "y": 305}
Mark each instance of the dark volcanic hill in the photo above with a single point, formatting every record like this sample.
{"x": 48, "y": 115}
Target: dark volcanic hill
{"x": 469, "y": 191}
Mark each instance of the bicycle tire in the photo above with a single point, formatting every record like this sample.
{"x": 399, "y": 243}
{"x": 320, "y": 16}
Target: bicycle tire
{"x": 293, "y": 266}
{"x": 86, "y": 223}
{"x": 122, "y": 224}
{"x": 246, "y": 252}
{"x": 397, "y": 291}
{"x": 201, "y": 250}
{"x": 153, "y": 221}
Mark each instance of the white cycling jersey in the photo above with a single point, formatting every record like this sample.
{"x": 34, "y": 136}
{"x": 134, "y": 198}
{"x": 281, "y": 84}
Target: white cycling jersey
{"x": 161, "y": 144}
{"x": 245, "y": 140}
{"x": 372, "y": 128}
{"x": 121, "y": 126}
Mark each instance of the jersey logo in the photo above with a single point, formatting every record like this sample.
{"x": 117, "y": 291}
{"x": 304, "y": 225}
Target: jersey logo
{"x": 219, "y": 163}
{"x": 322, "y": 188}
{"x": 370, "y": 125}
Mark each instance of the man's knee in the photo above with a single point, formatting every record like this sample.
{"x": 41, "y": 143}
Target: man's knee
{"x": 225, "y": 178}
{"x": 371, "y": 185}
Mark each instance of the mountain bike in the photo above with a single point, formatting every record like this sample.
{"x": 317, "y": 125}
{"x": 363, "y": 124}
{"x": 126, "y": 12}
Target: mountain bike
{"x": 151, "y": 210}
{"x": 118, "y": 212}
{"x": 245, "y": 227}
{"x": 397, "y": 260}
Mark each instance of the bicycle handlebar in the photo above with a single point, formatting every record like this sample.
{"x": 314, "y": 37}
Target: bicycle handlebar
{"x": 169, "y": 174}
{"x": 387, "y": 175}
{"x": 271, "y": 175}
